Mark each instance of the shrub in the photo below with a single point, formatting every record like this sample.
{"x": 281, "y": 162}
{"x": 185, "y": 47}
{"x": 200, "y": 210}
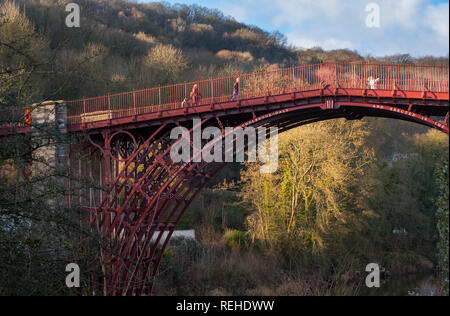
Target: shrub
{"x": 235, "y": 239}
{"x": 442, "y": 217}
{"x": 167, "y": 62}
{"x": 231, "y": 55}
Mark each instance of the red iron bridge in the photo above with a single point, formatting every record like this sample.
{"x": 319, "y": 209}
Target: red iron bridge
{"x": 127, "y": 147}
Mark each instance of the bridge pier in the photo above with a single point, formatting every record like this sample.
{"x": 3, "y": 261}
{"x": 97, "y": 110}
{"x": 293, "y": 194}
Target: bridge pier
{"x": 49, "y": 159}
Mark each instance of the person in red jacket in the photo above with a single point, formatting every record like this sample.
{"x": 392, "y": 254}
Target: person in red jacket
{"x": 28, "y": 117}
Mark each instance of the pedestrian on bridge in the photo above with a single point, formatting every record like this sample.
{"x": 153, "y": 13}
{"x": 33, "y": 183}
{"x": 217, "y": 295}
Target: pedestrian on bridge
{"x": 28, "y": 117}
{"x": 372, "y": 82}
{"x": 195, "y": 95}
{"x": 236, "y": 93}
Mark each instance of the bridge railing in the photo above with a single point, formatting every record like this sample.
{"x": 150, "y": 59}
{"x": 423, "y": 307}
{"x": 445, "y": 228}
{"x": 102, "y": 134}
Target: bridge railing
{"x": 274, "y": 82}
{"x": 13, "y": 118}
{"x": 400, "y": 76}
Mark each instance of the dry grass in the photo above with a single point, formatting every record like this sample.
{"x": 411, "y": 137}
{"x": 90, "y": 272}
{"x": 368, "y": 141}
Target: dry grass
{"x": 223, "y": 272}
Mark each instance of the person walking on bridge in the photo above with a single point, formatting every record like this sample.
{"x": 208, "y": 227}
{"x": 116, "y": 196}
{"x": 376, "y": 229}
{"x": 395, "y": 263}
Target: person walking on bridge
{"x": 184, "y": 103}
{"x": 372, "y": 82}
{"x": 236, "y": 93}
{"x": 195, "y": 95}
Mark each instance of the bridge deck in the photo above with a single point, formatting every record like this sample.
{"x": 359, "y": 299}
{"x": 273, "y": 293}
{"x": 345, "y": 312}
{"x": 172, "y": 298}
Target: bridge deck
{"x": 418, "y": 86}
{"x": 345, "y": 79}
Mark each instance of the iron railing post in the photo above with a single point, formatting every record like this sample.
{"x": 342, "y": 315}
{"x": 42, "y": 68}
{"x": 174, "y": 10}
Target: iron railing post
{"x": 84, "y": 108}
{"x": 212, "y": 90}
{"x": 393, "y": 78}
{"x": 159, "y": 97}
{"x": 335, "y": 76}
{"x": 109, "y": 107}
{"x": 365, "y": 77}
{"x": 293, "y": 78}
{"x": 423, "y": 80}
{"x": 134, "y": 102}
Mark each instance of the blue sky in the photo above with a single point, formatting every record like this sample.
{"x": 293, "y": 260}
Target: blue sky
{"x": 418, "y": 27}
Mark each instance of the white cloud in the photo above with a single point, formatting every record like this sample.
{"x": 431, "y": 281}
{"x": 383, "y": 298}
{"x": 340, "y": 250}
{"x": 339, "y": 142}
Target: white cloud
{"x": 402, "y": 13}
{"x": 240, "y": 13}
{"x": 299, "y": 40}
{"x": 436, "y": 18}
{"x": 296, "y": 12}
{"x": 418, "y": 27}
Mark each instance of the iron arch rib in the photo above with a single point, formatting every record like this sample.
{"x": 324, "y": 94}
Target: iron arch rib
{"x": 146, "y": 193}
{"x": 149, "y": 193}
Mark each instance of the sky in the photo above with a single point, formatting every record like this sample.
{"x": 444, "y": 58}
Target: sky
{"x": 417, "y": 27}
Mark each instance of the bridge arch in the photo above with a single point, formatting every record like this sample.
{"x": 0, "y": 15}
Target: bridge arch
{"x": 147, "y": 193}
{"x": 147, "y": 197}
